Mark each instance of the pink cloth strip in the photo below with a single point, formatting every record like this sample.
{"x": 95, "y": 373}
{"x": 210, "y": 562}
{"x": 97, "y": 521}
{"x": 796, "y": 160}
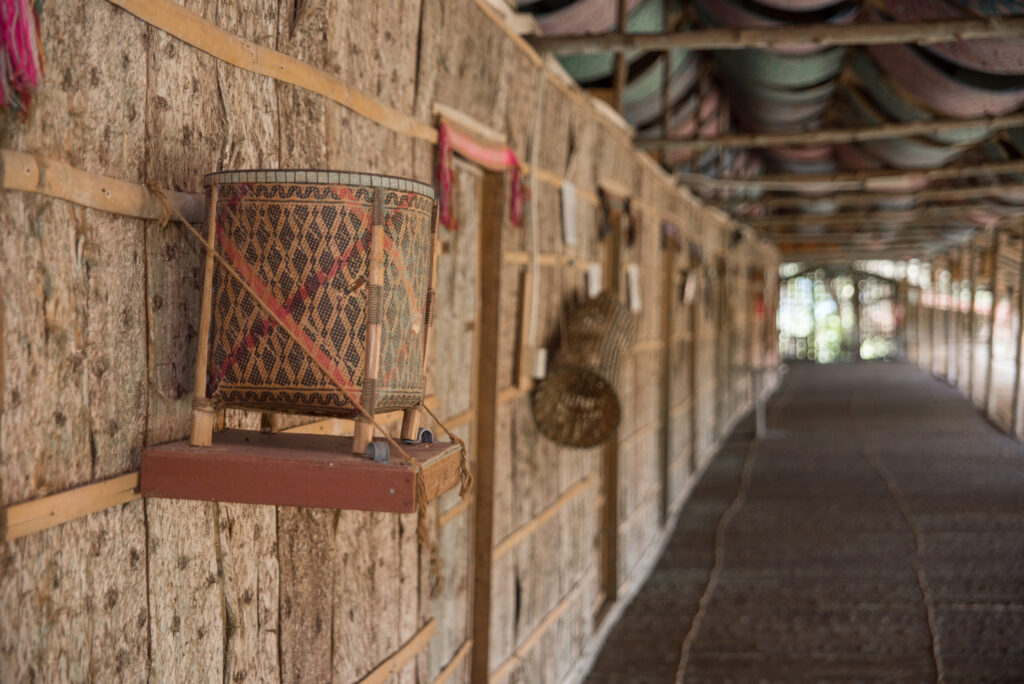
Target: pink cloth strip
{"x": 492, "y": 158}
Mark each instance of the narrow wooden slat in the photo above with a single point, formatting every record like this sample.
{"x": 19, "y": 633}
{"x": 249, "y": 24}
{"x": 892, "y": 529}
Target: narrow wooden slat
{"x": 453, "y": 664}
{"x": 25, "y": 518}
{"x": 537, "y": 521}
{"x": 189, "y": 27}
{"x": 393, "y": 665}
{"x": 33, "y": 173}
{"x": 818, "y": 35}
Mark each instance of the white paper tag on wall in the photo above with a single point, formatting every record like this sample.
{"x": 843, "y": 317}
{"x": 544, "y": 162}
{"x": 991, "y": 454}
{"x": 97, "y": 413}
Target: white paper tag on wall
{"x": 568, "y": 214}
{"x": 540, "y": 364}
{"x": 633, "y": 288}
{"x": 690, "y": 288}
{"x": 594, "y": 279}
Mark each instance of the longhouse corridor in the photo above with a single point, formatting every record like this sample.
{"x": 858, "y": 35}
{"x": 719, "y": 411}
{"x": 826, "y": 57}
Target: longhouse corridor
{"x": 875, "y": 534}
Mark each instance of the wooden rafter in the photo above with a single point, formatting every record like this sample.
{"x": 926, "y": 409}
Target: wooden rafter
{"x": 854, "y": 238}
{"x": 820, "y": 35}
{"x": 869, "y": 198}
{"x": 929, "y": 216}
{"x": 881, "y": 181}
{"x": 834, "y": 135}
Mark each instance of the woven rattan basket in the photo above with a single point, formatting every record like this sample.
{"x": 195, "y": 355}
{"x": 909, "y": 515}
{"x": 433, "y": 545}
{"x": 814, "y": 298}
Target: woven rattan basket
{"x": 576, "y": 404}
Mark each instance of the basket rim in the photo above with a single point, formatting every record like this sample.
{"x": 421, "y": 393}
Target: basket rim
{"x": 320, "y": 177}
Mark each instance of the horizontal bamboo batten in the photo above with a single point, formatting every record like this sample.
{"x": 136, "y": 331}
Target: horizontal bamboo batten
{"x": 32, "y": 173}
{"x": 18, "y": 520}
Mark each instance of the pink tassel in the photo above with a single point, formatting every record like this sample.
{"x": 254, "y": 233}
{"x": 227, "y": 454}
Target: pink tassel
{"x": 21, "y": 60}
{"x": 445, "y": 179}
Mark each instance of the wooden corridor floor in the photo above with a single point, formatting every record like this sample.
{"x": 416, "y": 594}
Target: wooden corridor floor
{"x": 876, "y": 534}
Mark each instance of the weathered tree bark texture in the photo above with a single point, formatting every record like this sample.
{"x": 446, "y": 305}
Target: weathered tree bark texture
{"x": 98, "y": 327}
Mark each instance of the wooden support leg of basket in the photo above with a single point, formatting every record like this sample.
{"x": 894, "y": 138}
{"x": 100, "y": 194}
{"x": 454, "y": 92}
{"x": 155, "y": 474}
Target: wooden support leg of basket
{"x": 412, "y": 417}
{"x": 203, "y": 413}
{"x": 411, "y": 424}
{"x": 363, "y": 433}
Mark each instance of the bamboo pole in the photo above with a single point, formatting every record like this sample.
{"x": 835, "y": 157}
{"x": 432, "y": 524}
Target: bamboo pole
{"x": 831, "y": 136}
{"x": 883, "y": 180}
{"x": 203, "y": 414}
{"x": 992, "y": 324}
{"x": 1015, "y": 413}
{"x": 818, "y": 35}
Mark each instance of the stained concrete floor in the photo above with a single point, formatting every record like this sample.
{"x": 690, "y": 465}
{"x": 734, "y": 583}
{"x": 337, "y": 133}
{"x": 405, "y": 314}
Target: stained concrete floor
{"x": 876, "y": 534}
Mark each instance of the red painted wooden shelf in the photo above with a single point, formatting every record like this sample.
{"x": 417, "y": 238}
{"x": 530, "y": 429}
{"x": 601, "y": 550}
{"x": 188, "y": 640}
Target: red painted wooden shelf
{"x": 318, "y": 471}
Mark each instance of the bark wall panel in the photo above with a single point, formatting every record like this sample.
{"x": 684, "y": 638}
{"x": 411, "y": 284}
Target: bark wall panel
{"x": 256, "y": 592}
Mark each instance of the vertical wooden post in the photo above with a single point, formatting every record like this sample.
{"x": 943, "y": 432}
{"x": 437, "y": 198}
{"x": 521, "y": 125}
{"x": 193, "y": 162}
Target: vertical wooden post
{"x": 932, "y": 328}
{"x": 412, "y": 416}
{"x": 363, "y": 429}
{"x": 203, "y": 414}
{"x": 610, "y": 452}
{"x": 857, "y": 310}
{"x": 1015, "y": 414}
{"x": 667, "y": 307}
{"x": 694, "y": 319}
{"x": 972, "y": 275}
{"x": 947, "y": 318}
{"x": 621, "y": 65}
{"x": 992, "y": 323}
{"x": 953, "y": 361}
{"x": 486, "y": 417}
{"x": 921, "y": 326}
{"x": 666, "y": 83}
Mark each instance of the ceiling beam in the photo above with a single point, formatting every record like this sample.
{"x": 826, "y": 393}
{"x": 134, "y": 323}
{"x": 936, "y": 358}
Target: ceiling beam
{"x": 869, "y": 198}
{"x": 928, "y": 216}
{"x": 857, "y": 238}
{"x": 882, "y": 181}
{"x": 834, "y": 135}
{"x": 819, "y": 35}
